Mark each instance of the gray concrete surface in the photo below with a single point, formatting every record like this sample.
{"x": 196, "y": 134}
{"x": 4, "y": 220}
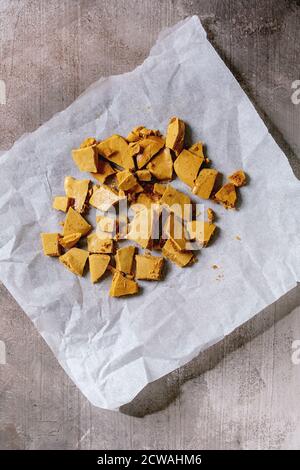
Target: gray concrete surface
{"x": 242, "y": 393}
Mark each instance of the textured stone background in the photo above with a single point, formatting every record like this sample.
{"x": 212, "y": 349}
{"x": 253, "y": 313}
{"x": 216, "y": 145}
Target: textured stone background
{"x": 243, "y": 392}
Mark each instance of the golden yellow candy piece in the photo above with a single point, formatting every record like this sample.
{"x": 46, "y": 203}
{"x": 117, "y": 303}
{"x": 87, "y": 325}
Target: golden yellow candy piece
{"x": 149, "y": 147}
{"x": 97, "y": 244}
{"x": 70, "y": 240}
{"x": 227, "y": 196}
{"x": 161, "y": 166}
{"x": 98, "y": 265}
{"x": 175, "y": 135}
{"x": 50, "y": 242}
{"x": 149, "y": 267}
{"x": 61, "y": 203}
{"x": 88, "y": 142}
{"x": 205, "y": 182}
{"x": 104, "y": 198}
{"x": 75, "y": 223}
{"x": 177, "y": 202}
{"x": 238, "y": 178}
{"x": 187, "y": 166}
{"x": 201, "y": 231}
{"x": 181, "y": 258}
{"x": 75, "y": 260}
{"x": 77, "y": 190}
{"x": 116, "y": 150}
{"x": 121, "y": 285}
{"x": 126, "y": 180}
{"x": 86, "y": 158}
{"x": 124, "y": 259}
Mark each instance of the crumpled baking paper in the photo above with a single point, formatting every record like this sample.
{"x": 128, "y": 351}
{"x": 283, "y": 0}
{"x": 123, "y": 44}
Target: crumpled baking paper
{"x": 111, "y": 348}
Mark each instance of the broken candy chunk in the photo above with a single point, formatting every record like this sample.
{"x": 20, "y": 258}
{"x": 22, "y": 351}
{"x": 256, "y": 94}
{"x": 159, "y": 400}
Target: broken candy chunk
{"x": 149, "y": 267}
{"x": 97, "y": 244}
{"x": 77, "y": 190}
{"x": 177, "y": 202}
{"x": 142, "y": 225}
{"x": 205, "y": 182}
{"x": 126, "y": 180}
{"x": 238, "y": 178}
{"x": 69, "y": 240}
{"x": 161, "y": 166}
{"x": 104, "y": 171}
{"x": 187, "y": 166}
{"x": 104, "y": 197}
{"x": 115, "y": 149}
{"x": 88, "y": 142}
{"x": 227, "y": 196}
{"x": 50, "y": 242}
{"x": 210, "y": 215}
{"x": 75, "y": 223}
{"x": 201, "y": 231}
{"x": 124, "y": 259}
{"x": 175, "y": 135}
{"x": 174, "y": 230}
{"x": 86, "y": 158}
{"x": 61, "y": 203}
{"x": 149, "y": 147}
{"x": 121, "y": 285}
{"x": 143, "y": 175}
{"x": 181, "y": 258}
{"x": 98, "y": 265}
{"x": 75, "y": 260}
{"x": 197, "y": 149}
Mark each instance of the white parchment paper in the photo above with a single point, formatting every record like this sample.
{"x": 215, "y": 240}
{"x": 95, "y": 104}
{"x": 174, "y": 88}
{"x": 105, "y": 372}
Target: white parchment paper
{"x": 112, "y": 348}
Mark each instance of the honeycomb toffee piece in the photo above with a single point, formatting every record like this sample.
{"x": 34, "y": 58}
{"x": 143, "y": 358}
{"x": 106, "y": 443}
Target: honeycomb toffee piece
{"x": 61, "y": 203}
{"x": 159, "y": 188}
{"x": 177, "y": 202}
{"x": 75, "y": 260}
{"x": 238, "y": 178}
{"x": 187, "y": 166}
{"x": 77, "y": 190}
{"x": 126, "y": 180}
{"x": 86, "y": 158}
{"x": 201, "y": 231}
{"x": 210, "y": 215}
{"x": 205, "y": 182}
{"x": 175, "y": 135}
{"x": 104, "y": 198}
{"x": 227, "y": 196}
{"x": 197, "y": 149}
{"x": 50, "y": 242}
{"x": 149, "y": 267}
{"x": 161, "y": 166}
{"x": 98, "y": 244}
{"x": 116, "y": 150}
{"x": 149, "y": 147}
{"x": 88, "y": 142}
{"x": 98, "y": 265}
{"x": 181, "y": 258}
{"x": 75, "y": 223}
{"x": 121, "y": 285}
{"x": 142, "y": 225}
{"x": 124, "y": 259}
{"x": 174, "y": 230}
{"x": 69, "y": 241}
